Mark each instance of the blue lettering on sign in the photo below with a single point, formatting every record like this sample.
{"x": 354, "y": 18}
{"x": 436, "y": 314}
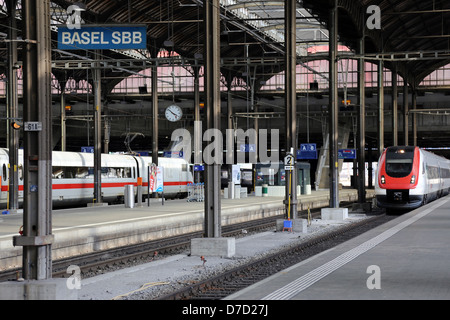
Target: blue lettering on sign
{"x": 107, "y": 37}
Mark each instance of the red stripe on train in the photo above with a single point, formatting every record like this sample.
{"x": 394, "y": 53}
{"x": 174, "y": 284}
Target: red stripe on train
{"x": 60, "y": 186}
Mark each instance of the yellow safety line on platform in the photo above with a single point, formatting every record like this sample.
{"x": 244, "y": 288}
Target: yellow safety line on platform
{"x": 143, "y": 287}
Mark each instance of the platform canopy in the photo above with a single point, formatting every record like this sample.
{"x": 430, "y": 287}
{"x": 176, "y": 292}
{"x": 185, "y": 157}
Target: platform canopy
{"x": 417, "y": 32}
{"x": 248, "y": 29}
{"x": 414, "y": 35}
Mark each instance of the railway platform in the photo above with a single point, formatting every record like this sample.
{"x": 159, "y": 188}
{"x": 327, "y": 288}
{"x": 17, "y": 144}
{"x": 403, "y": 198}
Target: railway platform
{"x": 405, "y": 259}
{"x": 84, "y": 230}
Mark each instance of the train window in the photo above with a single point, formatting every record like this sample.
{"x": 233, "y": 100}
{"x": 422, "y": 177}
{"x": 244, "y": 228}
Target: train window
{"x": 184, "y": 167}
{"x": 5, "y": 172}
{"x": 21, "y": 172}
{"x": 116, "y": 173}
{"x": 69, "y": 173}
{"x": 57, "y": 173}
{"x": 84, "y": 172}
{"x": 399, "y": 161}
{"x": 398, "y": 168}
{"x": 432, "y": 172}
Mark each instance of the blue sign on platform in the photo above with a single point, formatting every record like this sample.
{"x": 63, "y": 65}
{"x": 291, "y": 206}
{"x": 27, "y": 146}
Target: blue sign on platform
{"x": 173, "y": 154}
{"x": 199, "y": 167}
{"x": 346, "y": 154}
{"x": 87, "y": 149}
{"x": 102, "y": 37}
{"x": 307, "y": 151}
{"x": 247, "y": 147}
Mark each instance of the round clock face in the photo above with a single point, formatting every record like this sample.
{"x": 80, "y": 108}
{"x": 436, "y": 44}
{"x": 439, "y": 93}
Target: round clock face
{"x": 173, "y": 113}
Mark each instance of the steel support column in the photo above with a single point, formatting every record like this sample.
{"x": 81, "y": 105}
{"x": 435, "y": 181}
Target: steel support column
{"x": 12, "y": 108}
{"x": 406, "y": 112}
{"x": 230, "y": 135}
{"x": 380, "y": 107}
{"x": 107, "y": 133}
{"x": 394, "y": 108}
{"x": 290, "y": 12}
{"x": 63, "y": 115}
{"x": 197, "y": 123}
{"x": 414, "y": 116}
{"x": 333, "y": 107}
{"x": 361, "y": 126}
{"x": 213, "y": 228}
{"x": 37, "y": 224}
{"x": 97, "y": 131}
{"x": 155, "y": 133}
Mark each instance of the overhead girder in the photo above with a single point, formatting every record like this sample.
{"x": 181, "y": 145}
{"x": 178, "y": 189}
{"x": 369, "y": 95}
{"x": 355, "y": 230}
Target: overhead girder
{"x": 403, "y": 27}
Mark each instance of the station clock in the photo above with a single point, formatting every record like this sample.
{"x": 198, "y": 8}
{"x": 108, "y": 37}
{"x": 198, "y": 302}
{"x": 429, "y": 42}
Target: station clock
{"x": 173, "y": 113}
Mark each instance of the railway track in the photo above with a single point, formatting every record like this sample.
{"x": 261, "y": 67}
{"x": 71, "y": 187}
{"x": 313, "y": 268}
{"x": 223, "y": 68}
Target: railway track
{"x": 117, "y": 258}
{"x": 241, "y": 277}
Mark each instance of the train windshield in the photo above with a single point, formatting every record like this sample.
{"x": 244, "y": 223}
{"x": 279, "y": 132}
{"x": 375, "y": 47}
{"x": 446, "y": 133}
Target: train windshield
{"x": 399, "y": 162}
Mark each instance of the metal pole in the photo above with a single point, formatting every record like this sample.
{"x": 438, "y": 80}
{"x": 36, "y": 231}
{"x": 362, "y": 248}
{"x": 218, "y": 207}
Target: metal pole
{"x": 63, "y": 116}
{"x": 213, "y": 226}
{"x": 380, "y": 107}
{"x": 13, "y": 111}
{"x": 291, "y": 102}
{"x": 414, "y": 106}
{"x": 155, "y": 136}
{"x": 361, "y": 126}
{"x": 394, "y": 108}
{"x": 333, "y": 108}
{"x": 97, "y": 131}
{"x": 197, "y": 124}
{"x": 406, "y": 111}
{"x": 107, "y": 133}
{"x": 37, "y": 225}
{"x": 230, "y": 138}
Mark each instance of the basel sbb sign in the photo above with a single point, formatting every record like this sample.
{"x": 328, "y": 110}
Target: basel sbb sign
{"x": 102, "y": 37}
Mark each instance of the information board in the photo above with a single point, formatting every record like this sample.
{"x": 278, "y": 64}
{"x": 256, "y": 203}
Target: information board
{"x": 307, "y": 151}
{"x": 346, "y": 154}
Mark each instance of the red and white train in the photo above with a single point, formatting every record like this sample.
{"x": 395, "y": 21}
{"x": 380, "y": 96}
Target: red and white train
{"x": 73, "y": 178}
{"x": 408, "y": 177}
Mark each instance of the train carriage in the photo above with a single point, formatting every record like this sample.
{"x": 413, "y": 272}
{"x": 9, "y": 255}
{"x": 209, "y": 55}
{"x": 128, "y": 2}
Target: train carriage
{"x": 408, "y": 177}
{"x": 73, "y": 176}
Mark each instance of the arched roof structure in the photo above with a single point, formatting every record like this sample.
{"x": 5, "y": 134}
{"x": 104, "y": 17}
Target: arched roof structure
{"x": 414, "y": 35}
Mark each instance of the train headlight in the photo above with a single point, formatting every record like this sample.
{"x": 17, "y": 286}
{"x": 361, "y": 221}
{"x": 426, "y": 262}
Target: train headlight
{"x": 413, "y": 179}
{"x": 383, "y": 180}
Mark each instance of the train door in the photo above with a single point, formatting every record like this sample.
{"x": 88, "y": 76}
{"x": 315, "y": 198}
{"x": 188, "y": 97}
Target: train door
{"x": 183, "y": 176}
{"x": 4, "y": 185}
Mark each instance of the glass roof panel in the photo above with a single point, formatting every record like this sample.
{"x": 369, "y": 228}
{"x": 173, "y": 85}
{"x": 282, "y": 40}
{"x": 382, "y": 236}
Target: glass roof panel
{"x": 268, "y": 18}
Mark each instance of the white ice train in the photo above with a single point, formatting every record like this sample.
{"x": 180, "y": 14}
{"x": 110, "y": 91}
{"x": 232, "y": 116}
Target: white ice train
{"x": 73, "y": 178}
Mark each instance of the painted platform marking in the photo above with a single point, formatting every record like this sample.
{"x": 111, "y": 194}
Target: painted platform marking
{"x": 304, "y": 282}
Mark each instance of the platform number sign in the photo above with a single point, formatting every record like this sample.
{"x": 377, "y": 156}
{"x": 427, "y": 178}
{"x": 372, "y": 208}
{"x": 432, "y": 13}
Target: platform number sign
{"x": 32, "y": 126}
{"x": 289, "y": 162}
